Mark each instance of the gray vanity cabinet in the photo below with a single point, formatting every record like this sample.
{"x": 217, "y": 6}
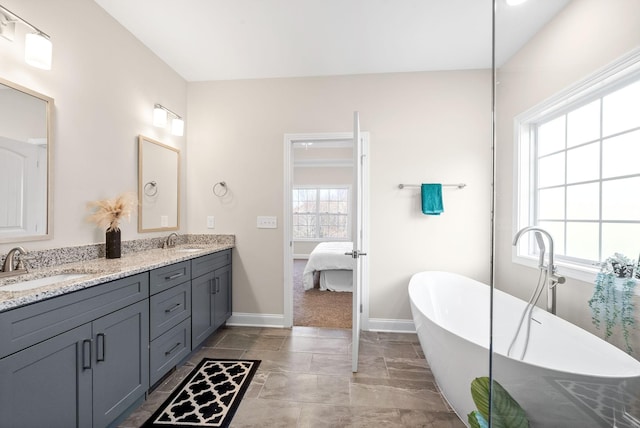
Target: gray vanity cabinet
{"x": 92, "y": 364}
{"x": 120, "y": 363}
{"x": 170, "y": 318}
{"x": 210, "y": 294}
{"x": 222, "y": 305}
{"x": 46, "y": 385}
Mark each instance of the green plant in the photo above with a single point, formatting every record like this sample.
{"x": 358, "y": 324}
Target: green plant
{"x": 505, "y": 411}
{"x": 612, "y": 300}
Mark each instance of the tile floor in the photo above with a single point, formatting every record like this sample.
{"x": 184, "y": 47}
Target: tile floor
{"x": 305, "y": 380}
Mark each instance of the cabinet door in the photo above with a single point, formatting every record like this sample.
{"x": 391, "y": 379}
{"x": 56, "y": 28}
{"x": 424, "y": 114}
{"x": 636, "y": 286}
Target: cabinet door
{"x": 202, "y": 298}
{"x": 48, "y": 384}
{"x": 121, "y": 361}
{"x": 222, "y": 305}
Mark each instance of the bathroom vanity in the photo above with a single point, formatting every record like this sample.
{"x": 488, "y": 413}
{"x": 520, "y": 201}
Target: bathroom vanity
{"x": 84, "y": 353}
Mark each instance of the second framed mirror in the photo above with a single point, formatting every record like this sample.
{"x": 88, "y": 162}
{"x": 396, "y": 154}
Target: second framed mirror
{"x": 158, "y": 186}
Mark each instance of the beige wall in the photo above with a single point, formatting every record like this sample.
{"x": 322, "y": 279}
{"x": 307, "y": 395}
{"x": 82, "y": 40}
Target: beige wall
{"x": 586, "y": 36}
{"x": 424, "y": 127}
{"x": 104, "y": 83}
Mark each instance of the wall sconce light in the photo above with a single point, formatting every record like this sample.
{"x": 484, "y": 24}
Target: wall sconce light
{"x": 37, "y": 45}
{"x": 160, "y": 114}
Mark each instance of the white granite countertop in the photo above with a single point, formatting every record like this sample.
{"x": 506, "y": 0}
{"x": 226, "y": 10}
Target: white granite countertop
{"x": 98, "y": 271}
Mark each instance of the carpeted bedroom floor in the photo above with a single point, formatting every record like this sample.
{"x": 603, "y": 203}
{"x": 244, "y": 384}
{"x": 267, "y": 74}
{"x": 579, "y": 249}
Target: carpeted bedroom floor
{"x": 315, "y": 308}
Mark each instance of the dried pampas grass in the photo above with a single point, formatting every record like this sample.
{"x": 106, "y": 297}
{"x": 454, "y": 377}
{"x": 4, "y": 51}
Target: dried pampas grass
{"x": 109, "y": 212}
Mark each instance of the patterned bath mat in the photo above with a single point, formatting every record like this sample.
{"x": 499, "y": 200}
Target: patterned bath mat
{"x": 208, "y": 397}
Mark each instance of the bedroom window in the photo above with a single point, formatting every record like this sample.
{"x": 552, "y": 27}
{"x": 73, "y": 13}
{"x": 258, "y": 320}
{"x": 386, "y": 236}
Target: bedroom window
{"x": 321, "y": 213}
{"x": 578, "y": 167}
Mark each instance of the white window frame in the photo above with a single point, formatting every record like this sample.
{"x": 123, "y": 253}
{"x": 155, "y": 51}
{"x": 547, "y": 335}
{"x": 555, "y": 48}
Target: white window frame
{"x": 615, "y": 75}
{"x": 349, "y": 209}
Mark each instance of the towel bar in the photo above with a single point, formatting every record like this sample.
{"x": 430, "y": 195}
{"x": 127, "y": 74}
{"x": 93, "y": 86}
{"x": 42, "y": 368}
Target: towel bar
{"x": 459, "y": 185}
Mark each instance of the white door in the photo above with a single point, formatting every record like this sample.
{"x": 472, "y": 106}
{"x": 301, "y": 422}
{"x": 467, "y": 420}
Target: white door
{"x": 358, "y": 244}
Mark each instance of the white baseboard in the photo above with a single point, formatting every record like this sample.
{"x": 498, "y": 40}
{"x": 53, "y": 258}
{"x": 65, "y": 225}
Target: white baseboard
{"x": 277, "y": 321}
{"x": 256, "y": 320}
{"x": 391, "y": 325}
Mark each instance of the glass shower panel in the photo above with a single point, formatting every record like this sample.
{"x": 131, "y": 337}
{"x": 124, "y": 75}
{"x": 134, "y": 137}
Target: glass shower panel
{"x": 565, "y": 342}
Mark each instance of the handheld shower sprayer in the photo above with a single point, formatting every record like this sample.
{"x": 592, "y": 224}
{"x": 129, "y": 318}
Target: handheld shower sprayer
{"x": 542, "y": 248}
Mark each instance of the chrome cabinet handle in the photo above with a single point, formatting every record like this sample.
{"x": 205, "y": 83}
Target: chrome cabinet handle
{"x": 174, "y": 276}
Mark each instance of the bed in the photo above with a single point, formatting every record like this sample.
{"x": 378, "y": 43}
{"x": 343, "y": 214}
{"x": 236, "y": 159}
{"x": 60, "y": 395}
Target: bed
{"x": 331, "y": 265}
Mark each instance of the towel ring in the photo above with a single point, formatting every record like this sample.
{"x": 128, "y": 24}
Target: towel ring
{"x": 216, "y": 189}
{"x": 151, "y": 188}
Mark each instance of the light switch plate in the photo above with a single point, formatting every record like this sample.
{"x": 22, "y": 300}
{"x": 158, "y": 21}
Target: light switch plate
{"x": 211, "y": 222}
{"x": 164, "y": 221}
{"x": 267, "y": 222}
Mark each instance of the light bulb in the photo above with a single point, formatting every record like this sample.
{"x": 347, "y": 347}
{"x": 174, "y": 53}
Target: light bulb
{"x": 38, "y": 51}
{"x": 159, "y": 117}
{"x": 177, "y": 127}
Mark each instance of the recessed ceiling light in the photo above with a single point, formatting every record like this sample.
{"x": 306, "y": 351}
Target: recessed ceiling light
{"x": 514, "y": 2}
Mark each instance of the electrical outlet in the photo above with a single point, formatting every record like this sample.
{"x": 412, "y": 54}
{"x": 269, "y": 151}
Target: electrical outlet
{"x": 267, "y": 222}
{"x": 211, "y": 222}
{"x": 164, "y": 221}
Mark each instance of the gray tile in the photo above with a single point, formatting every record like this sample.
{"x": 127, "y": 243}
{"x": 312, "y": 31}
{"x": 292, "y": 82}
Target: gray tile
{"x": 173, "y": 380}
{"x": 388, "y": 349}
{"x": 398, "y": 337}
{"x": 266, "y": 414}
{"x": 304, "y": 387}
{"x": 409, "y": 368}
{"x": 396, "y": 393}
{"x": 280, "y": 361}
{"x": 331, "y": 364}
{"x": 144, "y": 412}
{"x": 320, "y": 415}
{"x": 317, "y": 345}
{"x": 421, "y": 418}
{"x": 206, "y": 352}
{"x": 250, "y": 342}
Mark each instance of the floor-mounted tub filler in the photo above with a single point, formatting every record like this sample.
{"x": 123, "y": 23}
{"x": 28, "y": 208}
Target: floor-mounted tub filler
{"x": 567, "y": 378}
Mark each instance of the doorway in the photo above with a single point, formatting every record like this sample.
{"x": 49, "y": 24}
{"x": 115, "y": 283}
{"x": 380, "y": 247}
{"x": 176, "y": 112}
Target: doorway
{"x": 320, "y": 167}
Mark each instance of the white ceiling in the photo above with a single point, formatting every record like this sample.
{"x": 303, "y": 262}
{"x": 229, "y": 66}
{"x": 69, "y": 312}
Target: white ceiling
{"x": 245, "y": 39}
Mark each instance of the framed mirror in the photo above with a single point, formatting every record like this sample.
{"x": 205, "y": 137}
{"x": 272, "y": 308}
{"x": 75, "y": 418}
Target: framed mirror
{"x": 25, "y": 164}
{"x": 158, "y": 186}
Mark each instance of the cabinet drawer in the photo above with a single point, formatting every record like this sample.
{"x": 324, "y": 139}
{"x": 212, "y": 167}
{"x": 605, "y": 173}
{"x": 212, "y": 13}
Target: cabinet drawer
{"x": 210, "y": 262}
{"x": 169, "y": 308}
{"x": 28, "y": 325}
{"x": 168, "y": 350}
{"x": 166, "y": 277}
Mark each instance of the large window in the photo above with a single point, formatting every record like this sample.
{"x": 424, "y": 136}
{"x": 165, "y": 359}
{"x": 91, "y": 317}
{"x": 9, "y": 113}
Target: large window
{"x": 321, "y": 213}
{"x": 579, "y": 171}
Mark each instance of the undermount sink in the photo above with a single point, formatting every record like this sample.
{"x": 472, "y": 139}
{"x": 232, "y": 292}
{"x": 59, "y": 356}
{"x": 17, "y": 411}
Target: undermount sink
{"x": 187, "y": 250}
{"x": 41, "y": 282}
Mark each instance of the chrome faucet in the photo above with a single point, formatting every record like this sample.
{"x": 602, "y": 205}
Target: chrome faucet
{"x": 552, "y": 278}
{"x": 9, "y": 262}
{"x": 170, "y": 242}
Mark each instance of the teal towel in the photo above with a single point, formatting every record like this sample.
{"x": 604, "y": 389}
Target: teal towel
{"x": 432, "y": 199}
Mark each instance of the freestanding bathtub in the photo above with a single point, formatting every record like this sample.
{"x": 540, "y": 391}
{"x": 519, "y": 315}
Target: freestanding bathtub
{"x": 568, "y": 377}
